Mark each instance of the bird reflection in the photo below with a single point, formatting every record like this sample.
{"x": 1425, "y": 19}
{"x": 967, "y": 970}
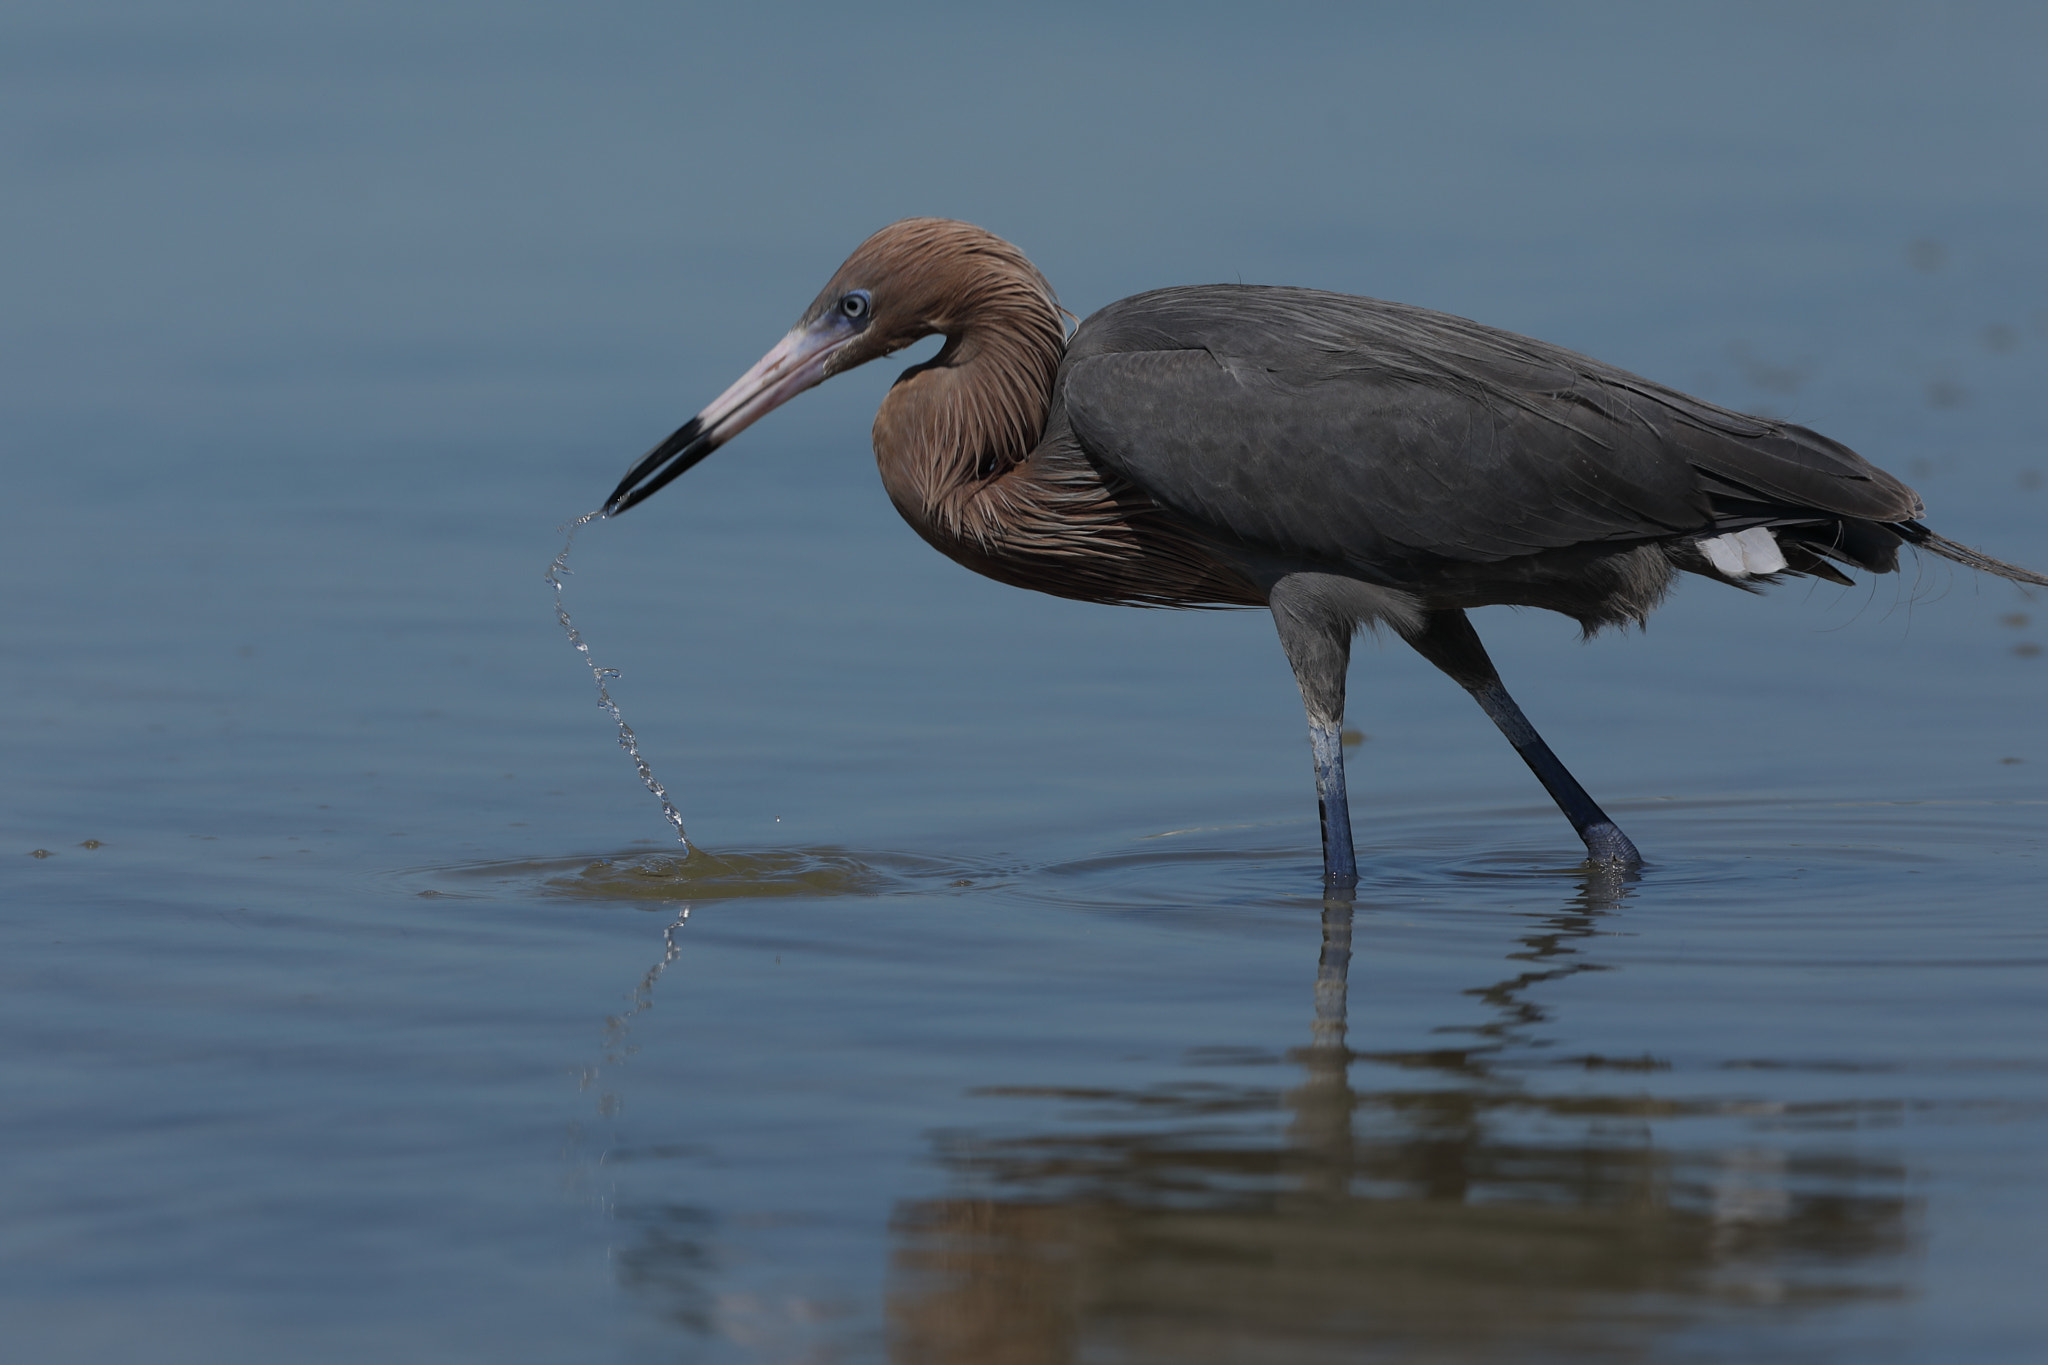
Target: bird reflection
{"x": 1464, "y": 1212}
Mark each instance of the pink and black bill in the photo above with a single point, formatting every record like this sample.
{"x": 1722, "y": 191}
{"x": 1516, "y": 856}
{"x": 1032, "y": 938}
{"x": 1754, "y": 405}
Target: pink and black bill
{"x": 798, "y": 362}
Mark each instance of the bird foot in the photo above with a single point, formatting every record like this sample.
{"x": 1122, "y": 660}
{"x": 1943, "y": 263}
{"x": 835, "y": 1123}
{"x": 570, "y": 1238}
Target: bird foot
{"x": 1609, "y": 847}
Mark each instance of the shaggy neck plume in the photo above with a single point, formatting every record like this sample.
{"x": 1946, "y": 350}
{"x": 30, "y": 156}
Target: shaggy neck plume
{"x": 961, "y": 444}
{"x": 952, "y": 428}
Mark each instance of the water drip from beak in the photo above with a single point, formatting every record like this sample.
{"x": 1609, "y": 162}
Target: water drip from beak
{"x": 600, "y": 675}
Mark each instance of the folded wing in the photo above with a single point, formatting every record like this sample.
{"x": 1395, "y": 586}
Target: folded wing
{"x": 1374, "y": 434}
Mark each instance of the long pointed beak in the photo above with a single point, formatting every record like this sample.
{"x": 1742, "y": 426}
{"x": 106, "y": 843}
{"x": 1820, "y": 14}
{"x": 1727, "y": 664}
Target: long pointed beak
{"x": 797, "y": 363}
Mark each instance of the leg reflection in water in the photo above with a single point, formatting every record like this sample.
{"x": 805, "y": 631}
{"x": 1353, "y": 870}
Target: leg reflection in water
{"x": 1488, "y": 1201}
{"x": 1322, "y": 1105}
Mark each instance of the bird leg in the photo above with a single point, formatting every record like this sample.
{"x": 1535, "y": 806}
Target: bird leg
{"x": 1446, "y": 639}
{"x": 1317, "y": 640}
{"x": 1340, "y": 863}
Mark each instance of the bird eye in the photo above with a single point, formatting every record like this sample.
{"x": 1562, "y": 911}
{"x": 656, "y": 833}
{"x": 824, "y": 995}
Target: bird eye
{"x": 855, "y": 305}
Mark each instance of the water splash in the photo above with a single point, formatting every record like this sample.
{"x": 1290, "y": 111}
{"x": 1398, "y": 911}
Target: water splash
{"x": 600, "y": 675}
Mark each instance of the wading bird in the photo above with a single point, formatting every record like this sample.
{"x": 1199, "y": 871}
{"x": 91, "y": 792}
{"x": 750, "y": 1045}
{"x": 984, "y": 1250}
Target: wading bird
{"x": 1341, "y": 461}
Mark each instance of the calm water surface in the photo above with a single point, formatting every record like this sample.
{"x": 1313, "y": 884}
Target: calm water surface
{"x": 354, "y": 1003}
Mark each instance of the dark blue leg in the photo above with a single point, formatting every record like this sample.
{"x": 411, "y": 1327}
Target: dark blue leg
{"x": 1604, "y": 839}
{"x": 1448, "y": 641}
{"x": 1317, "y": 638}
{"x": 1340, "y": 863}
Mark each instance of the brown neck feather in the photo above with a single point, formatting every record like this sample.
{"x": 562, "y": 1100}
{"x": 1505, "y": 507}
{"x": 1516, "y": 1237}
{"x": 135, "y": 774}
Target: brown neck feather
{"x": 960, "y": 442}
{"x": 950, "y": 427}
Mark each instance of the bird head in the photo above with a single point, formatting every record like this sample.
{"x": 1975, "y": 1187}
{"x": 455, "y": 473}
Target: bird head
{"x": 910, "y": 280}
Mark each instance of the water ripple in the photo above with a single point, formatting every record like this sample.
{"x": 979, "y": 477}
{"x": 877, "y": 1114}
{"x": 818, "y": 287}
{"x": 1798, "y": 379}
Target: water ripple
{"x": 733, "y": 874}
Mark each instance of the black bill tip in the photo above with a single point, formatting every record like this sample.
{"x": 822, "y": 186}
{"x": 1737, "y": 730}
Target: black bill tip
{"x": 684, "y": 447}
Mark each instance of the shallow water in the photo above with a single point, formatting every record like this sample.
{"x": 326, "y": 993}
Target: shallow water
{"x": 358, "y": 1004}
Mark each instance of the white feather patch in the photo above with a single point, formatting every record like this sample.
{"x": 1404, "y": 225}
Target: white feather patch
{"x": 1760, "y": 552}
{"x": 1742, "y": 553}
{"x": 1725, "y": 555}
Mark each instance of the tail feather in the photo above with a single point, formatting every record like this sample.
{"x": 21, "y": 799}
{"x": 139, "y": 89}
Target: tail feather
{"x": 1919, "y": 535}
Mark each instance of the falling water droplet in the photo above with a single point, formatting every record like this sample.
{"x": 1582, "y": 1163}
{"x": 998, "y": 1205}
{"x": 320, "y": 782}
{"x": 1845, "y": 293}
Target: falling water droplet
{"x": 600, "y": 675}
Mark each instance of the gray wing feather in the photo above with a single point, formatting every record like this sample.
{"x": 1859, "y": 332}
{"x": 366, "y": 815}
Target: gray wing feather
{"x": 1369, "y": 432}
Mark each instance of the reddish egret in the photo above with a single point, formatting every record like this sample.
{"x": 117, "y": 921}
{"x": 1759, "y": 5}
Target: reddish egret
{"x": 1341, "y": 461}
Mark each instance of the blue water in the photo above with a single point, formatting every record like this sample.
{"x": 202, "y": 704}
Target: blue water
{"x": 354, "y": 1003}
